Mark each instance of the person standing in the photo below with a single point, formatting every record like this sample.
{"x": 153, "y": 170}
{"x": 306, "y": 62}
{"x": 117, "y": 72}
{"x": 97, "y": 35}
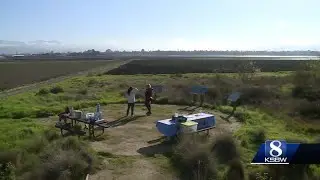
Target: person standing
{"x": 148, "y": 98}
{"x": 131, "y": 97}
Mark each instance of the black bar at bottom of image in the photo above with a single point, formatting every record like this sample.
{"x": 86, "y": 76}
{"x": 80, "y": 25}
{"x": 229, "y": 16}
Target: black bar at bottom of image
{"x": 307, "y": 154}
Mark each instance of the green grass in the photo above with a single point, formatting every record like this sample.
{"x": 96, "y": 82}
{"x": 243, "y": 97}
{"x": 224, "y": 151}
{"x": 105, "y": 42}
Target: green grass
{"x": 85, "y": 91}
{"x": 257, "y": 122}
{"x": 14, "y": 133}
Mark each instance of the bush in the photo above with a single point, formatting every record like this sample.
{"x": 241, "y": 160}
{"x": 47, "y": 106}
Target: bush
{"x": 43, "y": 91}
{"x": 309, "y": 109}
{"x": 83, "y": 91}
{"x": 19, "y": 114}
{"x": 306, "y": 92}
{"x": 51, "y": 135}
{"x": 92, "y": 82}
{"x": 43, "y": 113}
{"x": 163, "y": 100}
{"x": 47, "y": 156}
{"x": 7, "y": 171}
{"x": 256, "y": 94}
{"x": 62, "y": 164}
{"x": 36, "y": 145}
{"x": 289, "y": 172}
{"x": 235, "y": 170}
{"x": 213, "y": 93}
{"x": 193, "y": 159}
{"x": 257, "y": 136}
{"x": 225, "y": 149}
{"x": 241, "y": 116}
{"x": 56, "y": 90}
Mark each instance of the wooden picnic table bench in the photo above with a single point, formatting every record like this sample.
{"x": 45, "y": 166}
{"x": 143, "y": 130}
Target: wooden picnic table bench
{"x": 205, "y": 129}
{"x": 177, "y": 136}
{"x": 92, "y": 126}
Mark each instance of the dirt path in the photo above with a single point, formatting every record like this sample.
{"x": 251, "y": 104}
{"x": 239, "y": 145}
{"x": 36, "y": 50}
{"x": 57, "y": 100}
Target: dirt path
{"x": 137, "y": 137}
{"x": 30, "y": 87}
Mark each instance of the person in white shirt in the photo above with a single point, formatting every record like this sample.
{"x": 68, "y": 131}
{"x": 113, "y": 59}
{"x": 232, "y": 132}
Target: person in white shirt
{"x": 131, "y": 97}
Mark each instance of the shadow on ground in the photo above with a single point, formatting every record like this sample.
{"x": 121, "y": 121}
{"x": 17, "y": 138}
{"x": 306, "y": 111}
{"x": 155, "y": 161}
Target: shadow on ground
{"x": 124, "y": 120}
{"x": 163, "y": 147}
{"x": 189, "y": 109}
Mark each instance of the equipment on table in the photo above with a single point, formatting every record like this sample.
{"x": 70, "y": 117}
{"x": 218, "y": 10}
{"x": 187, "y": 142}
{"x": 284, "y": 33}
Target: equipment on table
{"x": 188, "y": 127}
{"x": 77, "y": 114}
{"x": 170, "y": 127}
{"x": 90, "y": 116}
{"x": 71, "y": 111}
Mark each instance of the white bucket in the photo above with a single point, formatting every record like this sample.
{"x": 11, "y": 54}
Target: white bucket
{"x": 77, "y": 114}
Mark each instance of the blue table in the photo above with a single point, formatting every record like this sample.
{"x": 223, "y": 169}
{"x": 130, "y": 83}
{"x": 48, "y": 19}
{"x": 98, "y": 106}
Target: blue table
{"x": 169, "y": 128}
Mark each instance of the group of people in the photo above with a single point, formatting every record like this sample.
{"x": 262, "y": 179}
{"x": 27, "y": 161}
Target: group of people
{"x": 131, "y": 97}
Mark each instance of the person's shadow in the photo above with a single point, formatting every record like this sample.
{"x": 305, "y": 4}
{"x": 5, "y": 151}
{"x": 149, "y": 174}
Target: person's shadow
{"x": 124, "y": 120}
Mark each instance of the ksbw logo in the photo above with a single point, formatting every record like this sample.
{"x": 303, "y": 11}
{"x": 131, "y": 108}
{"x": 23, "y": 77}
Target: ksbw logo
{"x": 275, "y": 152}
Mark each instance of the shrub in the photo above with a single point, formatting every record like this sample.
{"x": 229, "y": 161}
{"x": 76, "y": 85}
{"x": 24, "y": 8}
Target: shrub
{"x": 225, "y": 149}
{"x": 235, "y": 170}
{"x": 7, "y": 171}
{"x": 306, "y": 92}
{"x": 213, "y": 93}
{"x": 35, "y": 145}
{"x": 51, "y": 135}
{"x": 19, "y": 114}
{"x": 289, "y": 172}
{"x": 257, "y": 136}
{"x": 92, "y": 82}
{"x": 254, "y": 94}
{"x": 43, "y": 91}
{"x": 193, "y": 159}
{"x": 309, "y": 109}
{"x": 43, "y": 113}
{"x": 61, "y": 164}
{"x": 83, "y": 91}
{"x": 241, "y": 116}
{"x": 56, "y": 90}
{"x": 50, "y": 157}
{"x": 163, "y": 100}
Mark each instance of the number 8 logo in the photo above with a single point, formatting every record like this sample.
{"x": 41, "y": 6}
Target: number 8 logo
{"x": 275, "y": 148}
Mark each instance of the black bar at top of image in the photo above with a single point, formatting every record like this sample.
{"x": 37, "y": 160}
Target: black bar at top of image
{"x": 307, "y": 154}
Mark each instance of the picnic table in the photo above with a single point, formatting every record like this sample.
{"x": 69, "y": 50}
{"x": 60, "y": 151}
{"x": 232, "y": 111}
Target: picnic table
{"x": 92, "y": 126}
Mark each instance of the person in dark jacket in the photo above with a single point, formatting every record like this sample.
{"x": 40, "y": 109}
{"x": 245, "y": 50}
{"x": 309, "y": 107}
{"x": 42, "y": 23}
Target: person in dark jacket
{"x": 64, "y": 115}
{"x": 148, "y": 98}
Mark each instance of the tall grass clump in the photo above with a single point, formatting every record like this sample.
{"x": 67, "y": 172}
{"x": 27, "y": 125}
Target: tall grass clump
{"x": 43, "y": 91}
{"x": 306, "y": 87}
{"x": 56, "y": 90}
{"x": 194, "y": 160}
{"x": 48, "y": 156}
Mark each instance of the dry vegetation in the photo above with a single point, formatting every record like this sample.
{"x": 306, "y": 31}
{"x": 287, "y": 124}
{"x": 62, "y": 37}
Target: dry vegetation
{"x": 14, "y": 74}
{"x": 180, "y": 66}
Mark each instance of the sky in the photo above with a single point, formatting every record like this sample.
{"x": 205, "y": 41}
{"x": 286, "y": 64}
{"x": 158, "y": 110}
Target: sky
{"x": 165, "y": 24}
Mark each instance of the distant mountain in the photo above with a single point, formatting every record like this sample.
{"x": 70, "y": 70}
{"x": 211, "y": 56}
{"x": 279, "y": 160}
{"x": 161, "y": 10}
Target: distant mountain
{"x": 38, "y": 46}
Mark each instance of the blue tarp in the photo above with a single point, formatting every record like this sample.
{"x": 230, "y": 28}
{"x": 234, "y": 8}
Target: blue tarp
{"x": 199, "y": 89}
{"x": 170, "y": 128}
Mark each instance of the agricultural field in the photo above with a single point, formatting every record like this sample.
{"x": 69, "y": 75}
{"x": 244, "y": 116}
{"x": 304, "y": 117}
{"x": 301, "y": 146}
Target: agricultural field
{"x": 274, "y": 105}
{"x": 14, "y": 74}
{"x": 202, "y": 65}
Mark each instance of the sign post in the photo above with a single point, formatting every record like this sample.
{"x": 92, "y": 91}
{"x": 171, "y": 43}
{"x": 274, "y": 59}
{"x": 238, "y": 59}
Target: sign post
{"x": 199, "y": 91}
